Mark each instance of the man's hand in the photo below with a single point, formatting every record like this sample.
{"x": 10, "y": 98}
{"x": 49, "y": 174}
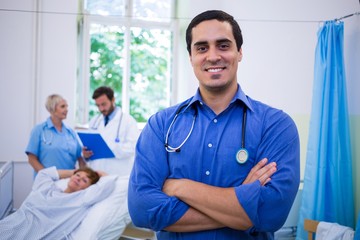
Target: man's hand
{"x": 87, "y": 153}
{"x": 261, "y": 172}
{"x": 170, "y": 186}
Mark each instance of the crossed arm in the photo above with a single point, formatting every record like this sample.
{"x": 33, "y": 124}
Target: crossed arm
{"x": 214, "y": 207}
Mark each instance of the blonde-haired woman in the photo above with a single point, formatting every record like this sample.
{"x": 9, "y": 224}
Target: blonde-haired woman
{"x": 52, "y": 143}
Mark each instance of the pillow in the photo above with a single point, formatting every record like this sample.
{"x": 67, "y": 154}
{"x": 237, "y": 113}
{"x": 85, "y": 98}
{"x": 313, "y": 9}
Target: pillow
{"x": 108, "y": 218}
{"x": 113, "y": 166}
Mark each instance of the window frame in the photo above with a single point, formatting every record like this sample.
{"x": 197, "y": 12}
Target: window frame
{"x": 128, "y": 22}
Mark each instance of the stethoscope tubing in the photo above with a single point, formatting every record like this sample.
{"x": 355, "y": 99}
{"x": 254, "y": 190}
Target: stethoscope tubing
{"x": 45, "y": 139}
{"x": 243, "y": 128}
{"x": 171, "y": 149}
{"x": 48, "y": 140}
{"x": 97, "y": 123}
{"x": 177, "y": 149}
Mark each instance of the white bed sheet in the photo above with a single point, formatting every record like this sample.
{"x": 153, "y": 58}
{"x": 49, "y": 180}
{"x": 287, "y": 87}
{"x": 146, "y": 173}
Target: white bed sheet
{"x": 107, "y": 219}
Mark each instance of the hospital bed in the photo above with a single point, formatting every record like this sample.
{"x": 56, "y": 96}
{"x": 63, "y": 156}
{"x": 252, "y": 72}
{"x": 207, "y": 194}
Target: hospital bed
{"x": 327, "y": 230}
{"x": 115, "y": 221}
{"x": 110, "y": 219}
{"x": 107, "y": 219}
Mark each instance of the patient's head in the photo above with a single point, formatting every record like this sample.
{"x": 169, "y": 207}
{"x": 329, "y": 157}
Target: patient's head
{"x": 81, "y": 179}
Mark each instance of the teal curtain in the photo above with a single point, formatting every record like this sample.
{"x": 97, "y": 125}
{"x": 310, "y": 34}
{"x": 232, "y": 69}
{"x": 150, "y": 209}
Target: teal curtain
{"x": 328, "y": 189}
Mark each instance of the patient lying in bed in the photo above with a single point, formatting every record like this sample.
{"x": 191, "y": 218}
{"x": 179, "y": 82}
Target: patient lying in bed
{"x": 50, "y": 212}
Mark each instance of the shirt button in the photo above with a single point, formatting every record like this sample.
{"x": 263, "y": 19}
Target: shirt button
{"x": 215, "y": 120}
{"x": 209, "y": 145}
{"x": 201, "y": 103}
{"x": 207, "y": 173}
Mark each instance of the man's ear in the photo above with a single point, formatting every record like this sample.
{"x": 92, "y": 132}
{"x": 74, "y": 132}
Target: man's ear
{"x": 240, "y": 55}
{"x": 190, "y": 58}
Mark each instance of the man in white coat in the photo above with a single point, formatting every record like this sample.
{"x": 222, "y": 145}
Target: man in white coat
{"x": 118, "y": 129}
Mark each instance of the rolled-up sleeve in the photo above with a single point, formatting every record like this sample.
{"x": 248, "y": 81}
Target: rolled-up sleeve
{"x": 268, "y": 206}
{"x": 148, "y": 206}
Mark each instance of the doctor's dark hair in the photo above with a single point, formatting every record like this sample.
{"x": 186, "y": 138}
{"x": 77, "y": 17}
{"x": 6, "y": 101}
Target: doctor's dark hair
{"x": 217, "y": 15}
{"x": 91, "y": 174}
{"x": 103, "y": 90}
{"x": 52, "y": 101}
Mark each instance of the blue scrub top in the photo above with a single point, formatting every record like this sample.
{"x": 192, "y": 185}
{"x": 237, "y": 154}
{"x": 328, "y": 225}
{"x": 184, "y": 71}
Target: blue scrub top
{"x": 54, "y": 148}
{"x": 209, "y": 156}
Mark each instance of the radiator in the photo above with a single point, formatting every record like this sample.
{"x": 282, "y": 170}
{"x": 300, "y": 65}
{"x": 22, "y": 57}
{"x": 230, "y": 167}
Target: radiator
{"x": 6, "y": 188}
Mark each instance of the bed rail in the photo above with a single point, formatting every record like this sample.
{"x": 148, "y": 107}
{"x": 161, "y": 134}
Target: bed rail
{"x": 6, "y": 188}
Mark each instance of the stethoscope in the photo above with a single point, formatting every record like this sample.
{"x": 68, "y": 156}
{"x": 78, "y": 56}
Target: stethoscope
{"x": 48, "y": 138}
{"x": 242, "y": 154}
{"x": 177, "y": 149}
{"x": 97, "y": 122}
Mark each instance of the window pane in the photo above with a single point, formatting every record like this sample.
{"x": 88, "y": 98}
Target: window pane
{"x": 106, "y": 61}
{"x": 150, "y": 72}
{"x": 106, "y": 7}
{"x": 153, "y": 10}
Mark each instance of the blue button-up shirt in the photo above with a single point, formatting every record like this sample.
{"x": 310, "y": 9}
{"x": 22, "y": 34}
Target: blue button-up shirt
{"x": 209, "y": 156}
{"x": 54, "y": 148}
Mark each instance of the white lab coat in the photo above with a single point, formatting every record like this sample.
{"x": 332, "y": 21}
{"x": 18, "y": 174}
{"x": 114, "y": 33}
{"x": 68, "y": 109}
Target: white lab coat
{"x": 124, "y": 150}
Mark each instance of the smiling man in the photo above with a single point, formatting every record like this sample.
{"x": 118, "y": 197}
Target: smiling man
{"x": 219, "y": 165}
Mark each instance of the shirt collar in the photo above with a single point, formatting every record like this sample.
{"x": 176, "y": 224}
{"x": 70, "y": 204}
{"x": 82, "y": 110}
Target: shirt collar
{"x": 112, "y": 115}
{"x": 239, "y": 96}
{"x": 50, "y": 124}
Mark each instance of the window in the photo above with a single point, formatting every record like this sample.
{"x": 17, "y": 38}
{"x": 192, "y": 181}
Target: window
{"x": 127, "y": 45}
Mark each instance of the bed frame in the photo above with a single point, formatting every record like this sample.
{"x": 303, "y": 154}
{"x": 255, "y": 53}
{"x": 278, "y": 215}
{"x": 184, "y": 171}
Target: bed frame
{"x": 310, "y": 226}
{"x": 132, "y": 232}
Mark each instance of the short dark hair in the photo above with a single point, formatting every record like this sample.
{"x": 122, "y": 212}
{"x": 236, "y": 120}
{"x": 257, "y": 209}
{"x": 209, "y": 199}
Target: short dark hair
{"x": 103, "y": 90}
{"x": 217, "y": 15}
{"x": 91, "y": 174}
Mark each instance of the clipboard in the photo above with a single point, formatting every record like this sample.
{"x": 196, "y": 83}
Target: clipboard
{"x": 95, "y": 143}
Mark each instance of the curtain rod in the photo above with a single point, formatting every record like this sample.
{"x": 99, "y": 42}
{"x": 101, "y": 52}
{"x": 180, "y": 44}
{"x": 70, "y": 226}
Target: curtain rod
{"x": 350, "y": 15}
{"x": 264, "y": 20}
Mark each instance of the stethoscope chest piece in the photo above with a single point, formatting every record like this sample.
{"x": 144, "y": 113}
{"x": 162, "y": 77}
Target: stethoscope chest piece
{"x": 242, "y": 156}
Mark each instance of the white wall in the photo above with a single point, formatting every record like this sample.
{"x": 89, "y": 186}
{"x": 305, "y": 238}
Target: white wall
{"x": 34, "y": 65}
{"x": 38, "y": 47}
